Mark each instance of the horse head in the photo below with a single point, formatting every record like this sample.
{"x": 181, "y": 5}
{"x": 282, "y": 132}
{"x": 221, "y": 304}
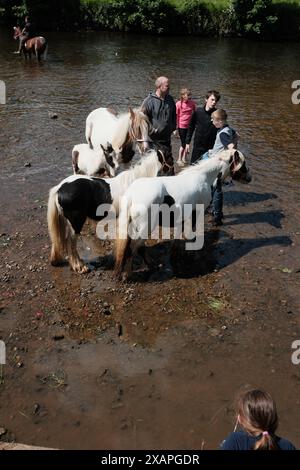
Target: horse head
{"x": 111, "y": 159}
{"x": 166, "y": 160}
{"x": 140, "y": 129}
{"x": 17, "y": 32}
{"x": 238, "y": 168}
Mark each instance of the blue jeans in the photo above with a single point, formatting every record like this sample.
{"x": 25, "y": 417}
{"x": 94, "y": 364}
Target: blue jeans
{"x": 217, "y": 202}
{"x": 217, "y": 196}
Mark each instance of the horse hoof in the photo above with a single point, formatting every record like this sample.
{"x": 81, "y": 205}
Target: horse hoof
{"x": 83, "y": 270}
{"x": 57, "y": 262}
{"x": 80, "y": 269}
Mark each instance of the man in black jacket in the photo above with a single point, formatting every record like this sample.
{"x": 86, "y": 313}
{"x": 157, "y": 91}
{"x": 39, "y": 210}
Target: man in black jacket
{"x": 161, "y": 110}
{"x": 205, "y": 131}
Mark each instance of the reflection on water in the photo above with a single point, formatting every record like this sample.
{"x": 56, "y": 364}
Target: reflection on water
{"x": 86, "y": 70}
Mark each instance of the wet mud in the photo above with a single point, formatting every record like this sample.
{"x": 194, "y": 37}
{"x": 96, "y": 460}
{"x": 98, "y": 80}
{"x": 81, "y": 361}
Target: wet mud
{"x": 95, "y": 363}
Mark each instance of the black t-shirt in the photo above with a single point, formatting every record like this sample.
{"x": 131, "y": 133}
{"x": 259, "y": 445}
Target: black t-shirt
{"x": 29, "y": 30}
{"x": 205, "y": 131}
{"x": 244, "y": 441}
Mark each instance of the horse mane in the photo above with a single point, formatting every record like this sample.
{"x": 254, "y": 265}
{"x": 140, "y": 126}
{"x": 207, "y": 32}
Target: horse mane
{"x": 202, "y": 164}
{"x": 147, "y": 166}
{"x": 141, "y": 121}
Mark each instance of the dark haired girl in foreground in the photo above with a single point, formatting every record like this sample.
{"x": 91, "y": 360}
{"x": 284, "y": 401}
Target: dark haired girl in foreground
{"x": 257, "y": 416}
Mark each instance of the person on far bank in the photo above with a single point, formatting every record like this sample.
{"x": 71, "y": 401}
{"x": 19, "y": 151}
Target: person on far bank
{"x": 201, "y": 124}
{"x": 161, "y": 110}
{"x": 27, "y": 33}
{"x": 185, "y": 107}
{"x": 258, "y": 420}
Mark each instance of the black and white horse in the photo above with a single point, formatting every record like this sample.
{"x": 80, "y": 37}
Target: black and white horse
{"x": 77, "y": 198}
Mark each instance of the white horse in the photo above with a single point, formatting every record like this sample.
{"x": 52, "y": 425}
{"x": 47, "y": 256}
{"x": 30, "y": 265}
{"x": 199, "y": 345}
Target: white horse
{"x": 77, "y": 198}
{"x": 124, "y": 132}
{"x": 192, "y": 186}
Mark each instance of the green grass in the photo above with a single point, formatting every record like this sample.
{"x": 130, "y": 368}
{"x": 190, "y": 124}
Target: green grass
{"x": 213, "y": 3}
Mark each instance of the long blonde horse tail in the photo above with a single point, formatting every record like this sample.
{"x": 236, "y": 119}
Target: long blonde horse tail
{"x": 123, "y": 240}
{"x": 59, "y": 229}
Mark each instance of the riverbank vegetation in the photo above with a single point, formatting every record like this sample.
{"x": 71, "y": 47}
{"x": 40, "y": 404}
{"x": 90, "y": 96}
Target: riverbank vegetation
{"x": 265, "y": 19}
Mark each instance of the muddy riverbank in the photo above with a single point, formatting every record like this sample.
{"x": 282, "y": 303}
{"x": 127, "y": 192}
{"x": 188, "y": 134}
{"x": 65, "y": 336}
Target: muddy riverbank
{"x": 153, "y": 363}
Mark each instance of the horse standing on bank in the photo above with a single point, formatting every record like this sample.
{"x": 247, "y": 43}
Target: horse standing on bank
{"x": 90, "y": 162}
{"x": 126, "y": 132}
{"x": 77, "y": 198}
{"x": 112, "y": 140}
{"x": 37, "y": 45}
{"x": 187, "y": 189}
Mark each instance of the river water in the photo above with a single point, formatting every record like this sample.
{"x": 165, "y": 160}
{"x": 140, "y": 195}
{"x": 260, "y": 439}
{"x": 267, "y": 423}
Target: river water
{"x": 89, "y": 70}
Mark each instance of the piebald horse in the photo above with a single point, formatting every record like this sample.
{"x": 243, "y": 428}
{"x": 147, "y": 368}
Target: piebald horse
{"x": 77, "y": 198}
{"x": 36, "y": 45}
{"x": 190, "y": 187}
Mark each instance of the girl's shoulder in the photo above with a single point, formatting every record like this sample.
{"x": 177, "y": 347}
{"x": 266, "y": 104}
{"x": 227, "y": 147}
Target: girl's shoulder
{"x": 284, "y": 444}
{"x": 240, "y": 440}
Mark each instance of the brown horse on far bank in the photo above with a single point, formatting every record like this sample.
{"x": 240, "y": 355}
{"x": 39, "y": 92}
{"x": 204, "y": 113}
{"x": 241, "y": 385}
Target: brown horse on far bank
{"x": 36, "y": 45}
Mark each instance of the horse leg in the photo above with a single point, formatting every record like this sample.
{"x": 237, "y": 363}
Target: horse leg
{"x": 122, "y": 252}
{"x": 59, "y": 230}
{"x": 75, "y": 261}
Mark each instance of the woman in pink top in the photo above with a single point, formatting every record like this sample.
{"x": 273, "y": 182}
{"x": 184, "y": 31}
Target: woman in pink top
{"x": 184, "y": 110}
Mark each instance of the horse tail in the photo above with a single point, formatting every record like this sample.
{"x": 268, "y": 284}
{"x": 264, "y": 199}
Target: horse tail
{"x": 88, "y": 134}
{"x": 123, "y": 240}
{"x": 75, "y": 156}
{"x": 59, "y": 229}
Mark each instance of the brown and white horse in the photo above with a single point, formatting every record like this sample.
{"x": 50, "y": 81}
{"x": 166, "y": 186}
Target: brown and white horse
{"x": 36, "y": 45}
{"x": 126, "y": 132}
